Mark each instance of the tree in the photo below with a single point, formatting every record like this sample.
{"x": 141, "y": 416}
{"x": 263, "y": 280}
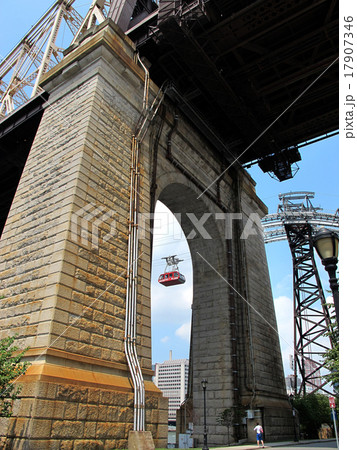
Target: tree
{"x": 314, "y": 410}
{"x": 331, "y": 356}
{"x": 11, "y": 368}
{"x": 226, "y": 419}
{"x": 231, "y": 418}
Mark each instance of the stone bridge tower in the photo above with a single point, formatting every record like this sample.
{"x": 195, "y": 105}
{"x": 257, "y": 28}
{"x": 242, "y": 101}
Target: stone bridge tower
{"x": 65, "y": 270}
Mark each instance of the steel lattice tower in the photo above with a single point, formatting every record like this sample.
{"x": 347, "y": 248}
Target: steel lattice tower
{"x": 297, "y": 220}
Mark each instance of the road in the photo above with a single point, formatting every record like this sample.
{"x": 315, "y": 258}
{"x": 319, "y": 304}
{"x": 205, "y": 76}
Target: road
{"x": 321, "y": 445}
{"x": 309, "y": 445}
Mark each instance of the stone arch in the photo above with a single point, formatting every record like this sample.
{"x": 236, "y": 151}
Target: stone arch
{"x": 210, "y": 348}
{"x": 233, "y": 337}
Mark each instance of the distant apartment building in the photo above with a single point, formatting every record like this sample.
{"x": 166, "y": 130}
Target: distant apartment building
{"x": 290, "y": 380}
{"x": 312, "y": 371}
{"x": 171, "y": 377}
{"x": 290, "y": 384}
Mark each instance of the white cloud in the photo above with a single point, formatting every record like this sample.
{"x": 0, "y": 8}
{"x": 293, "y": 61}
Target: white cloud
{"x": 171, "y": 305}
{"x": 284, "y": 311}
{"x": 184, "y": 331}
{"x": 284, "y": 284}
{"x": 330, "y": 301}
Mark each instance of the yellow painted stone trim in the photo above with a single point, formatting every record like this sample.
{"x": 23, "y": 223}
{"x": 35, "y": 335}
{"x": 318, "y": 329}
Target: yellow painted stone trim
{"x": 59, "y": 374}
{"x": 43, "y": 351}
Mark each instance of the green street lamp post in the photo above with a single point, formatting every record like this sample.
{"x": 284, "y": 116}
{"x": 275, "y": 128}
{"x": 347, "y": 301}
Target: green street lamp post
{"x": 204, "y": 386}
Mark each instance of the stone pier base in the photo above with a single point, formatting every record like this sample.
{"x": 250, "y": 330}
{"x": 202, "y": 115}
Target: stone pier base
{"x": 67, "y": 408}
{"x": 140, "y": 440}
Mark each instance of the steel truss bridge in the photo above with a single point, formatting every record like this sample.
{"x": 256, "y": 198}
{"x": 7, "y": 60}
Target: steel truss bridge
{"x": 260, "y": 77}
{"x": 297, "y": 220}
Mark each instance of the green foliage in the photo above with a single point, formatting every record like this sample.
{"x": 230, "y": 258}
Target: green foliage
{"x": 11, "y": 368}
{"x": 331, "y": 357}
{"x": 230, "y": 418}
{"x": 314, "y": 410}
{"x": 226, "y": 419}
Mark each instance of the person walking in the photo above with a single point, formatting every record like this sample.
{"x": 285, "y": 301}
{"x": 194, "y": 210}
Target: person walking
{"x": 259, "y": 430}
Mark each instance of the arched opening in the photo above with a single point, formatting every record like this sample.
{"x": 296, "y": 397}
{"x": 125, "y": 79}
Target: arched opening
{"x": 170, "y": 306}
{"x": 210, "y": 353}
{"x": 170, "y": 313}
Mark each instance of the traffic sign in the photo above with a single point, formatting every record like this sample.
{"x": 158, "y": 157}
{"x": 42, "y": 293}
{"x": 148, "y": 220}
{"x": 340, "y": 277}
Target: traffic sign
{"x": 332, "y": 402}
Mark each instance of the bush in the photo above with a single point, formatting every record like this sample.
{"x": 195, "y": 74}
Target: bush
{"x": 10, "y": 370}
{"x": 314, "y": 410}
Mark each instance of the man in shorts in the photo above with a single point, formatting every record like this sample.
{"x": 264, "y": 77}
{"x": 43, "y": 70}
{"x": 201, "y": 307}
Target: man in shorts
{"x": 259, "y": 430}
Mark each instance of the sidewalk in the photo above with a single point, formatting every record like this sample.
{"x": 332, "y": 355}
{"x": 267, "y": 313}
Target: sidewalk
{"x": 272, "y": 444}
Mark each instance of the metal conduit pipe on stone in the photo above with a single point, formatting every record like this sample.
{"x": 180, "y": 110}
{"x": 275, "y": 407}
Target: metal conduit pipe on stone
{"x": 130, "y": 314}
{"x": 144, "y": 120}
{"x": 141, "y": 387}
{"x": 133, "y": 362}
{"x": 131, "y": 295}
{"x": 146, "y": 85}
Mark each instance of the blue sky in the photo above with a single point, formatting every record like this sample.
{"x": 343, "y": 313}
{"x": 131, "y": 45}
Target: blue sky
{"x": 18, "y": 16}
{"x": 319, "y": 172}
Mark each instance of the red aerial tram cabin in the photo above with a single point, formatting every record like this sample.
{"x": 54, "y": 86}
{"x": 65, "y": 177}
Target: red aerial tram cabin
{"x": 172, "y": 277}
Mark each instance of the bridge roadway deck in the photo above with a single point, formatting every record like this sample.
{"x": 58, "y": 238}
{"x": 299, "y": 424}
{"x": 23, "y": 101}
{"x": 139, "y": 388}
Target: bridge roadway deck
{"x": 240, "y": 64}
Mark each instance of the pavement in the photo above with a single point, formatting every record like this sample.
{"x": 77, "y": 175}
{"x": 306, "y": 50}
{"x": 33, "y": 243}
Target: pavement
{"x": 273, "y": 444}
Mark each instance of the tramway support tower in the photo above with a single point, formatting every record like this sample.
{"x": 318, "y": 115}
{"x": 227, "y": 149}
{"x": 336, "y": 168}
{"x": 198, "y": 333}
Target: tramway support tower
{"x": 297, "y": 220}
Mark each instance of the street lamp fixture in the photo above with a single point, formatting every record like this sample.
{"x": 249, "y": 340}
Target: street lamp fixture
{"x": 204, "y": 386}
{"x": 326, "y": 244}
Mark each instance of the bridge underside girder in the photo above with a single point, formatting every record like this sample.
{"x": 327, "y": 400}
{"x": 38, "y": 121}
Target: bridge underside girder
{"x": 17, "y": 133}
{"x": 263, "y": 75}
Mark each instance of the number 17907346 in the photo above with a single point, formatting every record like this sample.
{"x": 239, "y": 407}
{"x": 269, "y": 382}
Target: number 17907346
{"x": 348, "y": 46}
